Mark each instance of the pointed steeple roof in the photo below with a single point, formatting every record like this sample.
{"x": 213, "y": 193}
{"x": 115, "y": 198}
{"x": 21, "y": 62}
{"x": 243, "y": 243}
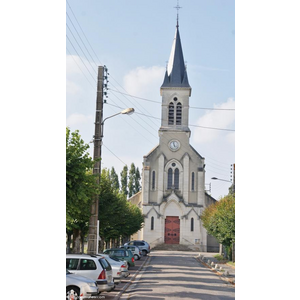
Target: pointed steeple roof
{"x": 176, "y": 75}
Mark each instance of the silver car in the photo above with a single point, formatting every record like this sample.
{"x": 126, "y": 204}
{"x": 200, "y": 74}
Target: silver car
{"x": 79, "y": 287}
{"x": 136, "y": 251}
{"x": 143, "y": 245}
{"x": 119, "y": 268}
{"x": 94, "y": 267}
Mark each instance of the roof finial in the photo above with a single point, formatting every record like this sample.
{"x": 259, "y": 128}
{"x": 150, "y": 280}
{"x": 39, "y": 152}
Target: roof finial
{"x": 177, "y": 7}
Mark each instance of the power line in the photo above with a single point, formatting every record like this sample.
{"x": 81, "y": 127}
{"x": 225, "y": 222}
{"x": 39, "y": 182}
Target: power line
{"x": 126, "y": 94}
{"x": 159, "y": 102}
{"x": 188, "y": 125}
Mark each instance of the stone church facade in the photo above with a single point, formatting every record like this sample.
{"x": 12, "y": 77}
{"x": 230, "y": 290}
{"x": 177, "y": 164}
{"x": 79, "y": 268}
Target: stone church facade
{"x": 173, "y": 194}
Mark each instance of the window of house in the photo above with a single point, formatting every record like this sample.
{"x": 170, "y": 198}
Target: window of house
{"x": 152, "y": 223}
{"x": 192, "y": 224}
{"x": 178, "y": 113}
{"x": 171, "y": 114}
{"x": 176, "y": 179}
{"x": 193, "y": 181}
{"x": 170, "y": 175}
{"x": 153, "y": 180}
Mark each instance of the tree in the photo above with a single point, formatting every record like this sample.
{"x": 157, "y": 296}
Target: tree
{"x": 117, "y": 216}
{"x": 134, "y": 180}
{"x": 137, "y": 180}
{"x": 219, "y": 220}
{"x": 114, "y": 179}
{"x": 80, "y": 185}
{"x": 124, "y": 180}
{"x": 131, "y": 182}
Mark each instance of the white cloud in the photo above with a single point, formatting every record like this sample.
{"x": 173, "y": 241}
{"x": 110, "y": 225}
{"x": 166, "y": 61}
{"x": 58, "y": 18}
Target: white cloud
{"x": 141, "y": 80}
{"x": 78, "y": 75}
{"x": 215, "y": 119}
{"x": 76, "y": 119}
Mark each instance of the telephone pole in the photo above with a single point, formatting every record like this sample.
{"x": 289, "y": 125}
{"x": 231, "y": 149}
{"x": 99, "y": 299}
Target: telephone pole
{"x": 93, "y": 232}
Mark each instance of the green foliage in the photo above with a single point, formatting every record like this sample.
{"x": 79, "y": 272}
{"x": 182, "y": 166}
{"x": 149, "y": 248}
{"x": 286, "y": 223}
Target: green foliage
{"x": 81, "y": 184}
{"x": 137, "y": 180}
{"x": 117, "y": 216}
{"x": 124, "y": 180}
{"x": 219, "y": 220}
{"x": 114, "y": 179}
{"x": 219, "y": 257}
{"x": 134, "y": 180}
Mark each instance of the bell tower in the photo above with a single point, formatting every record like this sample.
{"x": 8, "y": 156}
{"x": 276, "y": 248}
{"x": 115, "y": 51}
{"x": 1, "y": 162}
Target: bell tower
{"x": 175, "y": 92}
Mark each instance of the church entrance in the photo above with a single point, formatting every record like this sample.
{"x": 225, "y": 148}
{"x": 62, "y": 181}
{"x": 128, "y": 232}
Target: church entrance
{"x": 172, "y": 230}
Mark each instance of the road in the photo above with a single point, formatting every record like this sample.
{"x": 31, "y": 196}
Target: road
{"x": 177, "y": 275}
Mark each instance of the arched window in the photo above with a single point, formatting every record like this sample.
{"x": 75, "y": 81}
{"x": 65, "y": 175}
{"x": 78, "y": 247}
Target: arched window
{"x": 171, "y": 114}
{"x": 153, "y": 180}
{"x": 170, "y": 175}
{"x": 178, "y": 113}
{"x": 152, "y": 223}
{"x": 193, "y": 181}
{"x": 176, "y": 179}
{"x": 192, "y": 224}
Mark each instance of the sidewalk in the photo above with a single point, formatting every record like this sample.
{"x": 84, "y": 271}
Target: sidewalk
{"x": 207, "y": 258}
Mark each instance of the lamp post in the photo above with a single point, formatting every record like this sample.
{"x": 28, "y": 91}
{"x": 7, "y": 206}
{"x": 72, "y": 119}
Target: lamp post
{"x": 93, "y": 228}
{"x": 215, "y": 178}
{"x": 233, "y": 184}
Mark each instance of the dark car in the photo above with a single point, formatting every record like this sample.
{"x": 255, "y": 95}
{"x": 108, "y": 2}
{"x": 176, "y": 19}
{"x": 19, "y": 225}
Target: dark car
{"x": 144, "y": 246}
{"x": 123, "y": 254}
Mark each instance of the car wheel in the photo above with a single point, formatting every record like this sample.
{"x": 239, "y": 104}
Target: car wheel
{"x": 73, "y": 293}
{"x": 136, "y": 257}
{"x": 144, "y": 252}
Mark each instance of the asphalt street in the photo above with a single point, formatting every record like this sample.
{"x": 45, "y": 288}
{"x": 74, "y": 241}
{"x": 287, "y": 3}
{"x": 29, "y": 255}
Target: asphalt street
{"x": 177, "y": 275}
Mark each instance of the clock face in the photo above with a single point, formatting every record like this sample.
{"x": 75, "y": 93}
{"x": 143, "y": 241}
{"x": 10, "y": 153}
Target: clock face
{"x": 174, "y": 145}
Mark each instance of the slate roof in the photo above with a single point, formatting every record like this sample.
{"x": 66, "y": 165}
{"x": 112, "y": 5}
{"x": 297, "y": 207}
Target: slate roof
{"x": 176, "y": 75}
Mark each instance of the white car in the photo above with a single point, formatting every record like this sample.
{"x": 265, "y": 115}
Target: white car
{"x": 79, "y": 287}
{"x": 119, "y": 268}
{"x": 136, "y": 251}
{"x": 94, "y": 267}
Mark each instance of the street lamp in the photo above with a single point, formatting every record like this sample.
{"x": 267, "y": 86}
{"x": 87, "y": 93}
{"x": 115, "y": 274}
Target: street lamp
{"x": 126, "y": 111}
{"x": 233, "y": 184}
{"x": 93, "y": 223}
{"x": 215, "y": 178}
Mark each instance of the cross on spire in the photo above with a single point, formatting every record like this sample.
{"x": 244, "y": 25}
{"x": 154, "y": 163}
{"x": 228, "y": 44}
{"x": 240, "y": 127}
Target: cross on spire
{"x": 177, "y": 7}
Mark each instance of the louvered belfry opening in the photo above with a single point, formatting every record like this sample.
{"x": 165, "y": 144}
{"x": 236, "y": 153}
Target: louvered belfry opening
{"x": 171, "y": 114}
{"x": 178, "y": 113}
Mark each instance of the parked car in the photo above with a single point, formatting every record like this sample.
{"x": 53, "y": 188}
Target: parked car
{"x": 144, "y": 246}
{"x": 94, "y": 267}
{"x": 124, "y": 254}
{"x": 79, "y": 287}
{"x": 136, "y": 251}
{"x": 119, "y": 268}
{"x": 124, "y": 266}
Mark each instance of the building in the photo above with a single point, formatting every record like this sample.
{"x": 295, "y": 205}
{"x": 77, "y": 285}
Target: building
{"x": 173, "y": 194}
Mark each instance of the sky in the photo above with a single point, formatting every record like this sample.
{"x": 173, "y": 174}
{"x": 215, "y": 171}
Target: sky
{"x": 133, "y": 39}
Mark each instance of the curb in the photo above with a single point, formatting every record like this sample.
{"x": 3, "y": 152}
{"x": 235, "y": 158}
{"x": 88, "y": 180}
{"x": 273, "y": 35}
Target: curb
{"x": 117, "y": 297}
{"x": 216, "y": 272}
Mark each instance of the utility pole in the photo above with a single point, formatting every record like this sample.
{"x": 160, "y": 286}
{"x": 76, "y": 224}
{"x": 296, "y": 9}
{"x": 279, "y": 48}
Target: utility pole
{"x": 93, "y": 232}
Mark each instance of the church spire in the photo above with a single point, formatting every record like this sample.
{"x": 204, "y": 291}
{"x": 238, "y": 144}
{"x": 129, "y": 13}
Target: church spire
{"x": 176, "y": 75}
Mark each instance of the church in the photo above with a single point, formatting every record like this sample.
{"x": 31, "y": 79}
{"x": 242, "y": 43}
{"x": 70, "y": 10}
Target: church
{"x": 173, "y": 179}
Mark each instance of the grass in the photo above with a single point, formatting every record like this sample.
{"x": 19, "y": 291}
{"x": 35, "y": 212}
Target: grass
{"x": 219, "y": 257}
{"x": 231, "y": 263}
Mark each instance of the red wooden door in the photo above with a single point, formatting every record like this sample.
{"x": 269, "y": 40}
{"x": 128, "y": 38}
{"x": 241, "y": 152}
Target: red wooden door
{"x": 172, "y": 230}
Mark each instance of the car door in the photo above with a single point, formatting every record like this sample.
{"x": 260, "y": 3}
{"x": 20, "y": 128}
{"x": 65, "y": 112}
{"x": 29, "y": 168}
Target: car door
{"x": 88, "y": 268}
